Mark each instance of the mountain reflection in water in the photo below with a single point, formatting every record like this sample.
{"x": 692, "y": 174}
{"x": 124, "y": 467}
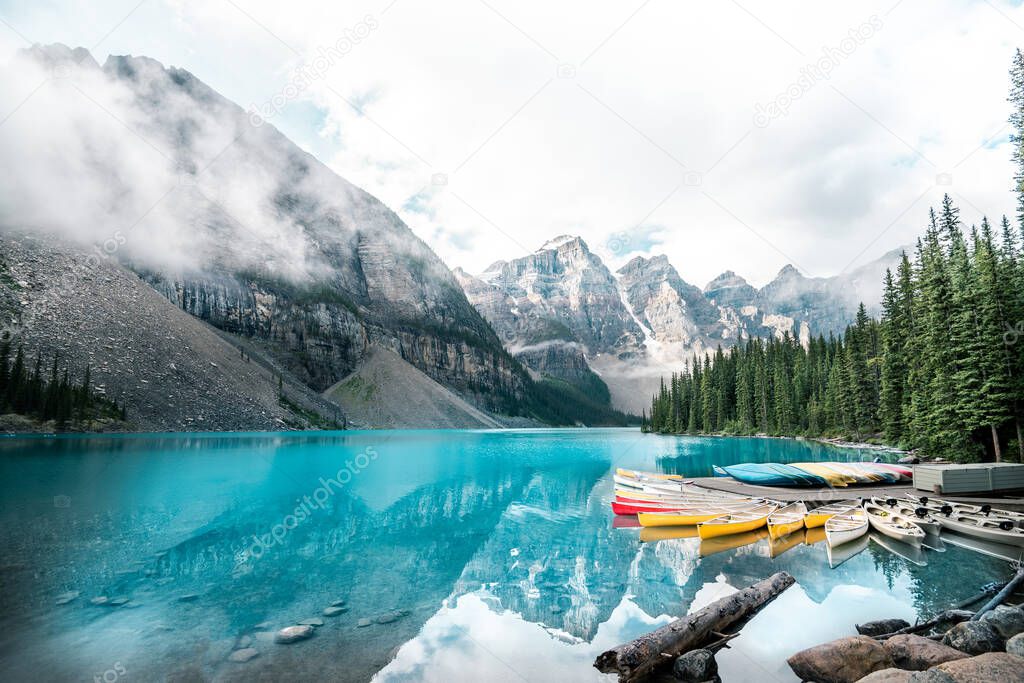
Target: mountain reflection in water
{"x": 485, "y": 555}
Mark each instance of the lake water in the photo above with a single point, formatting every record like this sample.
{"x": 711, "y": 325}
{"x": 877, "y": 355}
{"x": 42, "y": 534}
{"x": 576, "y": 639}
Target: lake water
{"x": 489, "y": 556}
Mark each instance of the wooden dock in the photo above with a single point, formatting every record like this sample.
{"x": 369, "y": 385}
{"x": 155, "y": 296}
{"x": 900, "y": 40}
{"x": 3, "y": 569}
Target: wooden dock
{"x": 822, "y": 495}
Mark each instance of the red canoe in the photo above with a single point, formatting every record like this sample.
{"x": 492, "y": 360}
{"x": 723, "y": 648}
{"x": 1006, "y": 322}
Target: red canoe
{"x": 634, "y": 508}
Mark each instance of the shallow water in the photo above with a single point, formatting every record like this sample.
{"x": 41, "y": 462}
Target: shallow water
{"x": 488, "y": 555}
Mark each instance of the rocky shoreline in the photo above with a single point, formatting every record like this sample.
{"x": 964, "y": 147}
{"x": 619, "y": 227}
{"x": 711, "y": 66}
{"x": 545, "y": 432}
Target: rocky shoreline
{"x": 965, "y": 648}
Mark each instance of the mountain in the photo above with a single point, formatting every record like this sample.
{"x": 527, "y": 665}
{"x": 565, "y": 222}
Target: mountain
{"x": 244, "y": 231}
{"x": 644, "y": 322}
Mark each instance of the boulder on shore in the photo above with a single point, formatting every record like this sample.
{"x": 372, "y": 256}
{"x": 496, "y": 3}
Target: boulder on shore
{"x": 974, "y": 638}
{"x": 887, "y": 676}
{"x": 918, "y": 653}
{"x": 845, "y": 660}
{"x": 696, "y": 666}
{"x": 291, "y": 634}
{"x": 1015, "y": 645}
{"x": 881, "y": 627}
{"x": 1007, "y": 621}
{"x": 991, "y": 666}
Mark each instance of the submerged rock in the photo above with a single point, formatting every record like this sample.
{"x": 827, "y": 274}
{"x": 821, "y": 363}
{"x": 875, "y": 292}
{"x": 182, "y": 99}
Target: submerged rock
{"x": 363, "y": 623}
{"x": 243, "y": 642}
{"x": 888, "y": 676}
{"x": 696, "y": 666}
{"x": 243, "y": 655}
{"x": 117, "y": 602}
{"x": 339, "y": 603}
{"x": 291, "y": 634}
{"x": 881, "y": 627}
{"x": 841, "y": 661}
{"x": 974, "y": 638}
{"x": 1007, "y": 621}
{"x": 65, "y": 598}
{"x": 99, "y": 600}
{"x": 312, "y": 621}
{"x": 991, "y": 666}
{"x": 334, "y": 611}
{"x": 918, "y": 653}
{"x": 191, "y": 597}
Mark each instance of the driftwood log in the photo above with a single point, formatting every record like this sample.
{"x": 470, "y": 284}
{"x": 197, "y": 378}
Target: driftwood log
{"x": 950, "y": 616}
{"x": 1001, "y": 595}
{"x": 637, "y": 658}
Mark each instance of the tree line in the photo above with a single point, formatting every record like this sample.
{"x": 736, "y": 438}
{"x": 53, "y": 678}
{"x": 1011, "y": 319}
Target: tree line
{"x": 50, "y": 394}
{"x": 941, "y": 370}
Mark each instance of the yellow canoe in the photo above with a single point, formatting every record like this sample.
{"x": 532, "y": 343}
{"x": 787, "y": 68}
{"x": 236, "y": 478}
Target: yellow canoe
{"x": 818, "y": 516}
{"x": 786, "y": 520}
{"x": 681, "y": 518}
{"x": 736, "y": 522}
{"x": 637, "y": 474}
{"x": 833, "y": 477}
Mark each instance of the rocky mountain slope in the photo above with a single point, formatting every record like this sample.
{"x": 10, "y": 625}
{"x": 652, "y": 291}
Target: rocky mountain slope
{"x": 260, "y": 240}
{"x": 174, "y": 372}
{"x": 560, "y": 309}
{"x": 386, "y": 391}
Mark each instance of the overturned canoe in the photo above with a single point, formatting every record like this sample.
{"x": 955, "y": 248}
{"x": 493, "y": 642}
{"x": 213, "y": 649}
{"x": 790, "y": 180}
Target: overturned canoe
{"x": 770, "y": 474}
{"x": 736, "y": 522}
{"x": 832, "y": 477}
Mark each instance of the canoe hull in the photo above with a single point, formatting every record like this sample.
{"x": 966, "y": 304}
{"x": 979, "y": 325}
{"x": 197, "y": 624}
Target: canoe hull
{"x": 715, "y": 530}
{"x": 777, "y": 531}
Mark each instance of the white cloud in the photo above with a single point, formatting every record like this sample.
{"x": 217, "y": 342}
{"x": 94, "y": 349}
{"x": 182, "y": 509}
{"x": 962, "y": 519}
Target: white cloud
{"x": 457, "y": 89}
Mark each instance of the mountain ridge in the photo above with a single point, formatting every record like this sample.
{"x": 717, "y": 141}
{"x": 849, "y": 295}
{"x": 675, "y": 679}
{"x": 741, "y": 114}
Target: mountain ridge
{"x": 660, "y": 321}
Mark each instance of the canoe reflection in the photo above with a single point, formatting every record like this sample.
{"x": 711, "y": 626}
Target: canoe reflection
{"x": 710, "y": 546}
{"x": 780, "y": 545}
{"x": 650, "y": 534}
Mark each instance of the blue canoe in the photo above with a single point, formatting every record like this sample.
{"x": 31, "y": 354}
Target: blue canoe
{"x": 770, "y": 474}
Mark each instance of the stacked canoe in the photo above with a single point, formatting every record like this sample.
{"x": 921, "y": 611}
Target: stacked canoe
{"x": 834, "y": 474}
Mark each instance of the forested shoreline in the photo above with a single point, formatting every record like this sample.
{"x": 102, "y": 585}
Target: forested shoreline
{"x": 941, "y": 370}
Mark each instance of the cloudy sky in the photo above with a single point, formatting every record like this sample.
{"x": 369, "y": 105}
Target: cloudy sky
{"x": 728, "y": 135}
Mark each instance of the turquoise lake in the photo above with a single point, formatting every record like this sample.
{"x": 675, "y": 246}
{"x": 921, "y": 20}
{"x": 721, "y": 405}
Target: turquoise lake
{"x": 487, "y": 555}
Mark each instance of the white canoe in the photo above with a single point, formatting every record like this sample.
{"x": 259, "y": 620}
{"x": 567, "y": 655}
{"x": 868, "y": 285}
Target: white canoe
{"x": 996, "y": 529}
{"x": 845, "y": 527}
{"x": 919, "y": 515}
{"x": 893, "y": 525}
{"x": 936, "y": 505}
{"x": 841, "y": 553}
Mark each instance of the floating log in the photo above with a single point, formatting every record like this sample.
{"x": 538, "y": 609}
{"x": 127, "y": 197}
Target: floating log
{"x": 950, "y": 616}
{"x": 1001, "y": 595}
{"x": 635, "y": 659}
